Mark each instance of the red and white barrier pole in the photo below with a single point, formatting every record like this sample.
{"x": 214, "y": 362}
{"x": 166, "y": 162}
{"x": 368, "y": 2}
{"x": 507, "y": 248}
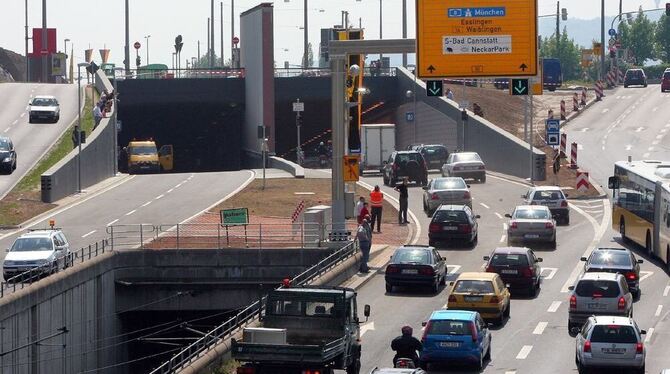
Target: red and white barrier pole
{"x": 563, "y": 114}
{"x": 583, "y": 103}
{"x": 573, "y": 156}
{"x": 575, "y": 102}
{"x": 564, "y": 144}
{"x": 599, "y": 90}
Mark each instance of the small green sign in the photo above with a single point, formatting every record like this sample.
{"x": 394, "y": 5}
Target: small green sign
{"x": 519, "y": 87}
{"x": 237, "y": 216}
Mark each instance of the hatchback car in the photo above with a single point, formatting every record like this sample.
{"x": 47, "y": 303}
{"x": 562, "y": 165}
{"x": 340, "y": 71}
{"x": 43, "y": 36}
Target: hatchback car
{"x": 7, "y": 155}
{"x": 665, "y": 80}
{"x": 43, "y": 107}
{"x": 450, "y": 190}
{"x": 46, "y": 250}
{"x": 635, "y": 77}
{"x": 518, "y": 267}
{"x": 402, "y": 164}
{"x": 481, "y": 292}
{"x": 553, "y": 198}
{"x": 610, "y": 342}
{"x": 465, "y": 165}
{"x": 599, "y": 294}
{"x": 531, "y": 223}
{"x": 397, "y": 371}
{"x": 435, "y": 155}
{"x": 455, "y": 336}
{"x": 616, "y": 260}
{"x": 416, "y": 265}
{"x": 453, "y": 223}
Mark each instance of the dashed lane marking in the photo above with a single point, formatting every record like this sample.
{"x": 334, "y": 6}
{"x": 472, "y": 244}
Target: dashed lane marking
{"x": 113, "y": 222}
{"x": 7, "y": 129}
{"x": 485, "y": 206}
{"x": 15, "y": 122}
{"x": 23, "y": 115}
{"x": 170, "y": 190}
{"x": 502, "y": 238}
{"x": 525, "y": 351}
{"x": 370, "y": 326}
{"x": 453, "y": 269}
{"x": 511, "y": 372}
{"x": 605, "y": 110}
{"x": 629, "y": 147}
{"x": 504, "y": 226}
{"x": 650, "y": 149}
{"x": 585, "y": 129}
{"x": 658, "y": 311}
{"x": 539, "y": 329}
{"x": 655, "y": 142}
{"x": 650, "y": 332}
{"x": 147, "y": 203}
{"x": 639, "y": 129}
{"x": 131, "y": 212}
{"x": 500, "y": 216}
{"x": 660, "y": 136}
{"x": 645, "y": 155}
{"x": 552, "y": 272}
{"x": 88, "y": 233}
{"x": 666, "y": 291}
{"x": 159, "y": 197}
{"x": 554, "y": 306}
{"x": 645, "y": 274}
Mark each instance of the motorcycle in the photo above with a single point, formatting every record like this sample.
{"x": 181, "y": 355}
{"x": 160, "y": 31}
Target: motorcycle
{"x": 405, "y": 363}
{"x": 323, "y": 161}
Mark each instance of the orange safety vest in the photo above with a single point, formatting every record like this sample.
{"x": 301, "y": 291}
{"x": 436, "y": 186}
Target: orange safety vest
{"x": 376, "y": 198}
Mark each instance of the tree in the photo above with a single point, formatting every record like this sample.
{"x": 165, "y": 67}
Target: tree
{"x": 641, "y": 40}
{"x": 203, "y": 61}
{"x": 662, "y": 38}
{"x": 568, "y": 52}
{"x": 310, "y": 57}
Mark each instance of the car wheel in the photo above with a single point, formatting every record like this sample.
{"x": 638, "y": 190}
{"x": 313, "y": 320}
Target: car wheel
{"x": 506, "y": 314}
{"x": 622, "y": 230}
{"x": 389, "y": 288}
{"x": 532, "y": 290}
{"x": 473, "y": 242}
{"x": 645, "y": 85}
{"x": 436, "y": 287}
{"x": 444, "y": 280}
{"x": 636, "y": 294}
{"x": 487, "y": 356}
{"x": 647, "y": 244}
{"x": 625, "y": 86}
{"x": 57, "y": 118}
{"x": 424, "y": 365}
{"x": 641, "y": 370}
{"x": 553, "y": 243}
{"x": 432, "y": 243}
{"x": 480, "y": 365}
{"x": 580, "y": 368}
{"x": 566, "y": 220}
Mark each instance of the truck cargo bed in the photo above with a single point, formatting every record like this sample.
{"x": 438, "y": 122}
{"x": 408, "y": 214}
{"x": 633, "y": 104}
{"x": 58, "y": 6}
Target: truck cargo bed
{"x": 287, "y": 353}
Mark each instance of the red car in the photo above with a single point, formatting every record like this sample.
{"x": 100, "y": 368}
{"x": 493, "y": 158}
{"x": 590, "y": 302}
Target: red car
{"x": 665, "y": 81}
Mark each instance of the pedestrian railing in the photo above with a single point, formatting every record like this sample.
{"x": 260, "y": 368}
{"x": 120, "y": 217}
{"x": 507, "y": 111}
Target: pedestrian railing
{"x": 249, "y": 314}
{"x": 37, "y": 273}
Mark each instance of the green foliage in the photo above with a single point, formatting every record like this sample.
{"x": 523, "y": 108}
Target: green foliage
{"x": 641, "y": 40}
{"x": 567, "y": 51}
{"x": 662, "y": 38}
{"x": 310, "y": 55}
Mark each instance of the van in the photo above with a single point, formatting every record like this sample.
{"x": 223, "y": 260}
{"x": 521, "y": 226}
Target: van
{"x": 144, "y": 157}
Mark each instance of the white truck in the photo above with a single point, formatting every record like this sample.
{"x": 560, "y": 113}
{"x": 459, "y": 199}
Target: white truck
{"x": 377, "y": 144}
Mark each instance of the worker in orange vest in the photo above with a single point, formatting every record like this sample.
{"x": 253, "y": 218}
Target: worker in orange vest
{"x": 376, "y": 201}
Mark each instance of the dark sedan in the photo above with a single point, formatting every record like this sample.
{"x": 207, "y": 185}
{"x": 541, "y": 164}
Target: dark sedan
{"x": 616, "y": 260}
{"x": 453, "y": 223}
{"x": 517, "y": 266}
{"x": 416, "y": 265}
{"x": 7, "y": 155}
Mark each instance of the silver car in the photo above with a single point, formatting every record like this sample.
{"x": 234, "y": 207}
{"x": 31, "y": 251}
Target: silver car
{"x": 553, "y": 198}
{"x": 42, "y": 251}
{"x": 599, "y": 294}
{"x": 609, "y": 341}
{"x": 44, "y": 107}
{"x": 450, "y": 190}
{"x": 465, "y": 165}
{"x": 531, "y": 223}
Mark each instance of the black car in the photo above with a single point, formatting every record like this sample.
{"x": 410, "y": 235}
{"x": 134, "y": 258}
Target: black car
{"x": 517, "y": 266}
{"x": 453, "y": 223}
{"x": 7, "y": 155}
{"x": 416, "y": 265}
{"x": 435, "y": 155}
{"x": 408, "y": 164}
{"x": 616, "y": 260}
{"x": 635, "y": 77}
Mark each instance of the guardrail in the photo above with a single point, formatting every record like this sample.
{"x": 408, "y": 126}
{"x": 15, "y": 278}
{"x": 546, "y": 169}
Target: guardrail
{"x": 249, "y": 314}
{"x": 33, "y": 275}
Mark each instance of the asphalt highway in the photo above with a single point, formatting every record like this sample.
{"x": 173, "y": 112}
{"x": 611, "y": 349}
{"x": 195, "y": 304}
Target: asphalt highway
{"x": 32, "y": 140}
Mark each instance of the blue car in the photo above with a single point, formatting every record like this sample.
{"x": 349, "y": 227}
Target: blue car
{"x": 455, "y": 336}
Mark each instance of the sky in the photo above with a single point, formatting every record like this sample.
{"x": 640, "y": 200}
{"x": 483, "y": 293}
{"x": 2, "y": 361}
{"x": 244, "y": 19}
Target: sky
{"x": 100, "y": 23}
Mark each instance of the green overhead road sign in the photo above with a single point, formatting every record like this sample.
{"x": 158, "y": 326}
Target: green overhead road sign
{"x": 519, "y": 87}
{"x": 237, "y": 216}
{"x": 434, "y": 88}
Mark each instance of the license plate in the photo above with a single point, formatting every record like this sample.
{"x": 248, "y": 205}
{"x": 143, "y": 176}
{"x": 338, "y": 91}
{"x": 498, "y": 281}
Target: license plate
{"x": 449, "y": 228}
{"x": 595, "y": 306}
{"x": 531, "y": 236}
{"x": 509, "y": 271}
{"x": 450, "y": 344}
{"x": 472, "y": 299}
{"x": 614, "y": 351}
{"x": 410, "y": 271}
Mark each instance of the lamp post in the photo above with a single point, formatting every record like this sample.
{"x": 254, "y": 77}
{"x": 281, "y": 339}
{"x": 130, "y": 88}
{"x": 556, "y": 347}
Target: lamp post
{"x": 65, "y": 51}
{"x": 116, "y": 118}
{"x": 147, "y": 39}
{"x": 78, "y": 127}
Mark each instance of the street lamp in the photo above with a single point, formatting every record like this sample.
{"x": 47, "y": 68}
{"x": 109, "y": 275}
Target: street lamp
{"x": 78, "y": 127}
{"x": 65, "y": 51}
{"x": 147, "y": 39}
{"x": 116, "y": 117}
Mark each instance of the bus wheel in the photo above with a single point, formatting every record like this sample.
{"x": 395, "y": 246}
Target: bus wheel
{"x": 647, "y": 244}
{"x": 667, "y": 258}
{"x": 622, "y": 229}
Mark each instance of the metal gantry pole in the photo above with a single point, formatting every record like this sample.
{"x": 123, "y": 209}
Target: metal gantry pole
{"x": 43, "y": 52}
{"x": 337, "y": 66}
{"x": 381, "y": 17}
{"x": 211, "y": 31}
{"x": 530, "y": 133}
{"x": 27, "y": 59}
{"x": 404, "y": 36}
{"x": 602, "y": 39}
{"x": 222, "y": 60}
{"x": 79, "y": 128}
{"x": 305, "y": 36}
{"x": 127, "y": 48}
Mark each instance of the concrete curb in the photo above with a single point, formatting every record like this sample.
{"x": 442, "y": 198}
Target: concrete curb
{"x": 509, "y": 178}
{"x": 288, "y": 166}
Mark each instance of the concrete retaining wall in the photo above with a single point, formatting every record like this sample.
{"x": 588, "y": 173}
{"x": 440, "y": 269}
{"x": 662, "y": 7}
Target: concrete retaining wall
{"x": 97, "y": 158}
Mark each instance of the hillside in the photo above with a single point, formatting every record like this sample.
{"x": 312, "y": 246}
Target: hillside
{"x": 13, "y": 63}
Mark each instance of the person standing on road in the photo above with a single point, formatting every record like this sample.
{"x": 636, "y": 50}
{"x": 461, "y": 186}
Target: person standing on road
{"x": 357, "y": 209}
{"x": 450, "y": 94}
{"x": 402, "y": 212}
{"x": 376, "y": 200}
{"x": 364, "y": 242}
{"x": 365, "y": 212}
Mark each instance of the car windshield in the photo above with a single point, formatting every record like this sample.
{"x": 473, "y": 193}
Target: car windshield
{"x": 4, "y": 145}
{"x": 613, "y": 334}
{"x": 548, "y": 195}
{"x": 532, "y": 214}
{"x": 433, "y": 150}
{"x": 450, "y": 216}
{"x": 666, "y": 75}
{"x": 503, "y": 259}
{"x": 32, "y": 244}
{"x": 43, "y": 102}
{"x": 473, "y": 286}
{"x": 597, "y": 288}
{"x": 449, "y": 184}
{"x": 404, "y": 158}
{"x": 143, "y": 150}
{"x": 611, "y": 258}
{"x": 446, "y": 327}
{"x": 466, "y": 157}
{"x": 411, "y": 256}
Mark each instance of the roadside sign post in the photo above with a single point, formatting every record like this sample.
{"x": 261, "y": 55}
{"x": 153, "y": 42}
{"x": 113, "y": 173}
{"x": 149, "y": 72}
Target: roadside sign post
{"x": 298, "y": 108}
{"x": 409, "y": 116}
{"x": 553, "y": 132}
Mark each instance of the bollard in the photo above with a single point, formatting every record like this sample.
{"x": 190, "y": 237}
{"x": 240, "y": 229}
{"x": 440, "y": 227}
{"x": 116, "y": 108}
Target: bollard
{"x": 620, "y": 81}
{"x": 563, "y": 110}
{"x": 564, "y": 144}
{"x": 575, "y": 102}
{"x": 550, "y": 114}
{"x": 573, "y": 156}
{"x": 583, "y": 103}
{"x": 599, "y": 90}
{"x": 582, "y": 181}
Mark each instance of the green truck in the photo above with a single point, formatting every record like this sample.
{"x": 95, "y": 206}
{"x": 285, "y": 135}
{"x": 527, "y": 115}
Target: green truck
{"x": 304, "y": 330}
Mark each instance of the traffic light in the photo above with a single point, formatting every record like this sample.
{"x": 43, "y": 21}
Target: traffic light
{"x": 667, "y": 9}
{"x": 298, "y": 120}
{"x": 138, "y": 61}
{"x": 564, "y": 14}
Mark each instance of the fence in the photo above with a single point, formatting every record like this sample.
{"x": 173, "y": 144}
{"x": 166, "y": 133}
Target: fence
{"x": 249, "y": 314}
{"x": 34, "y": 274}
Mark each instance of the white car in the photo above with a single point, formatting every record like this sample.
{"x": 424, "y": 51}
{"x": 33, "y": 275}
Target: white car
{"x": 47, "y": 250}
{"x": 553, "y": 198}
{"x": 465, "y": 165}
{"x": 44, "y": 108}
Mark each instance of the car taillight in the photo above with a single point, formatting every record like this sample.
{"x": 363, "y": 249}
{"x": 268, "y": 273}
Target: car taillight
{"x": 573, "y": 302}
{"x": 587, "y": 346}
{"x": 425, "y": 331}
{"x": 631, "y": 275}
{"x": 622, "y": 303}
{"x": 494, "y": 300}
{"x": 452, "y": 298}
{"x": 473, "y": 332}
{"x": 639, "y": 348}
{"x": 426, "y": 270}
{"x": 513, "y": 225}
{"x": 490, "y": 269}
{"x": 434, "y": 227}
{"x": 481, "y": 167}
{"x": 527, "y": 272}
{"x": 564, "y": 204}
{"x": 246, "y": 370}
{"x": 466, "y": 194}
{"x": 465, "y": 228}
{"x": 392, "y": 269}
{"x": 548, "y": 225}
{"x": 434, "y": 196}
{"x": 311, "y": 371}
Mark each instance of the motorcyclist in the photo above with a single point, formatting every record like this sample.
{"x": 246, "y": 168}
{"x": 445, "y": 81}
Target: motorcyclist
{"x": 406, "y": 346}
{"x": 322, "y": 150}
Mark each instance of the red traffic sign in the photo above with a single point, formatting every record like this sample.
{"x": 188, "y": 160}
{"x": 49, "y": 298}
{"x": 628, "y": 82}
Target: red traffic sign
{"x": 236, "y": 40}
{"x": 137, "y": 45}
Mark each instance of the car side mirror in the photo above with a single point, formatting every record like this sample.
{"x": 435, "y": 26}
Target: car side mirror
{"x": 571, "y": 288}
{"x": 583, "y": 259}
{"x": 575, "y": 330}
{"x": 508, "y": 215}
{"x": 468, "y": 185}
{"x": 425, "y": 188}
{"x": 643, "y": 332}
{"x": 539, "y": 259}
{"x": 486, "y": 258}
{"x": 566, "y": 195}
{"x": 478, "y": 216}
{"x": 640, "y": 261}
{"x": 451, "y": 283}
{"x": 423, "y": 324}
{"x": 7, "y": 250}
{"x": 366, "y": 311}
{"x": 508, "y": 285}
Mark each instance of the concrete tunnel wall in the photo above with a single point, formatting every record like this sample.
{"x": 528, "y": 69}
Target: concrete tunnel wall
{"x": 87, "y": 299}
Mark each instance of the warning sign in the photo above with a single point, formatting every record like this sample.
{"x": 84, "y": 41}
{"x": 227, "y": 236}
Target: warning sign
{"x": 351, "y": 169}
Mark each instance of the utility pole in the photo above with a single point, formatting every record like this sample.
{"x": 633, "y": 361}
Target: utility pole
{"x": 305, "y": 36}
{"x": 27, "y": 59}
{"x": 209, "y": 46}
{"x": 211, "y": 51}
{"x": 602, "y": 40}
{"x": 558, "y": 29}
{"x": 222, "y": 61}
{"x": 43, "y": 52}
{"x": 404, "y": 34}
{"x": 232, "y": 33}
{"x": 127, "y": 48}
{"x": 380, "y": 29}
{"x": 198, "y": 59}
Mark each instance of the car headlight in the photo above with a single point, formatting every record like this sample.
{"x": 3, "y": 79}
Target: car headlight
{"x": 7, "y": 159}
{"x": 42, "y": 262}
{"x": 10, "y": 263}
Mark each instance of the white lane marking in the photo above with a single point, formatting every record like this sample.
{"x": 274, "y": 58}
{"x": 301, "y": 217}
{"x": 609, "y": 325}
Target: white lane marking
{"x": 179, "y": 185}
{"x": 629, "y": 147}
{"x": 660, "y": 136}
{"x": 654, "y": 109}
{"x": 113, "y": 222}
{"x": 554, "y": 306}
{"x": 655, "y": 142}
{"x": 15, "y": 122}
{"x": 170, "y": 190}
{"x": 604, "y": 111}
{"x": 370, "y": 326}
{"x": 452, "y": 269}
{"x": 552, "y": 272}
{"x": 500, "y": 216}
{"x": 23, "y": 115}
{"x": 504, "y": 226}
{"x": 667, "y": 125}
{"x": 603, "y": 148}
{"x": 524, "y": 352}
{"x": 147, "y": 203}
{"x": 658, "y": 311}
{"x": 485, "y": 206}
{"x": 511, "y": 372}
{"x": 159, "y": 197}
{"x": 131, "y": 212}
{"x": 502, "y": 238}
{"x": 580, "y": 146}
{"x": 650, "y": 149}
{"x": 7, "y": 129}
{"x": 645, "y": 274}
{"x": 645, "y": 155}
{"x": 88, "y": 233}
{"x": 650, "y": 332}
{"x": 666, "y": 291}
{"x": 585, "y": 129}
{"x": 639, "y": 129}
{"x": 664, "y": 130}
{"x": 539, "y": 329}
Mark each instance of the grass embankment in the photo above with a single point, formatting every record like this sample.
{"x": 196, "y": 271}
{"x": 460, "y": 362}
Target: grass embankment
{"x": 24, "y": 200}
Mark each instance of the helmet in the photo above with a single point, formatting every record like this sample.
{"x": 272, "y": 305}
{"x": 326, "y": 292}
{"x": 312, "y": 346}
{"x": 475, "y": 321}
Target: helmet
{"x": 321, "y": 143}
{"x": 407, "y": 330}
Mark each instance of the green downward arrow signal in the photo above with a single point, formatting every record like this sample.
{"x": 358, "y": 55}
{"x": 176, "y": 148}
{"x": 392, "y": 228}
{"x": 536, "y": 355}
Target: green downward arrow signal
{"x": 520, "y": 87}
